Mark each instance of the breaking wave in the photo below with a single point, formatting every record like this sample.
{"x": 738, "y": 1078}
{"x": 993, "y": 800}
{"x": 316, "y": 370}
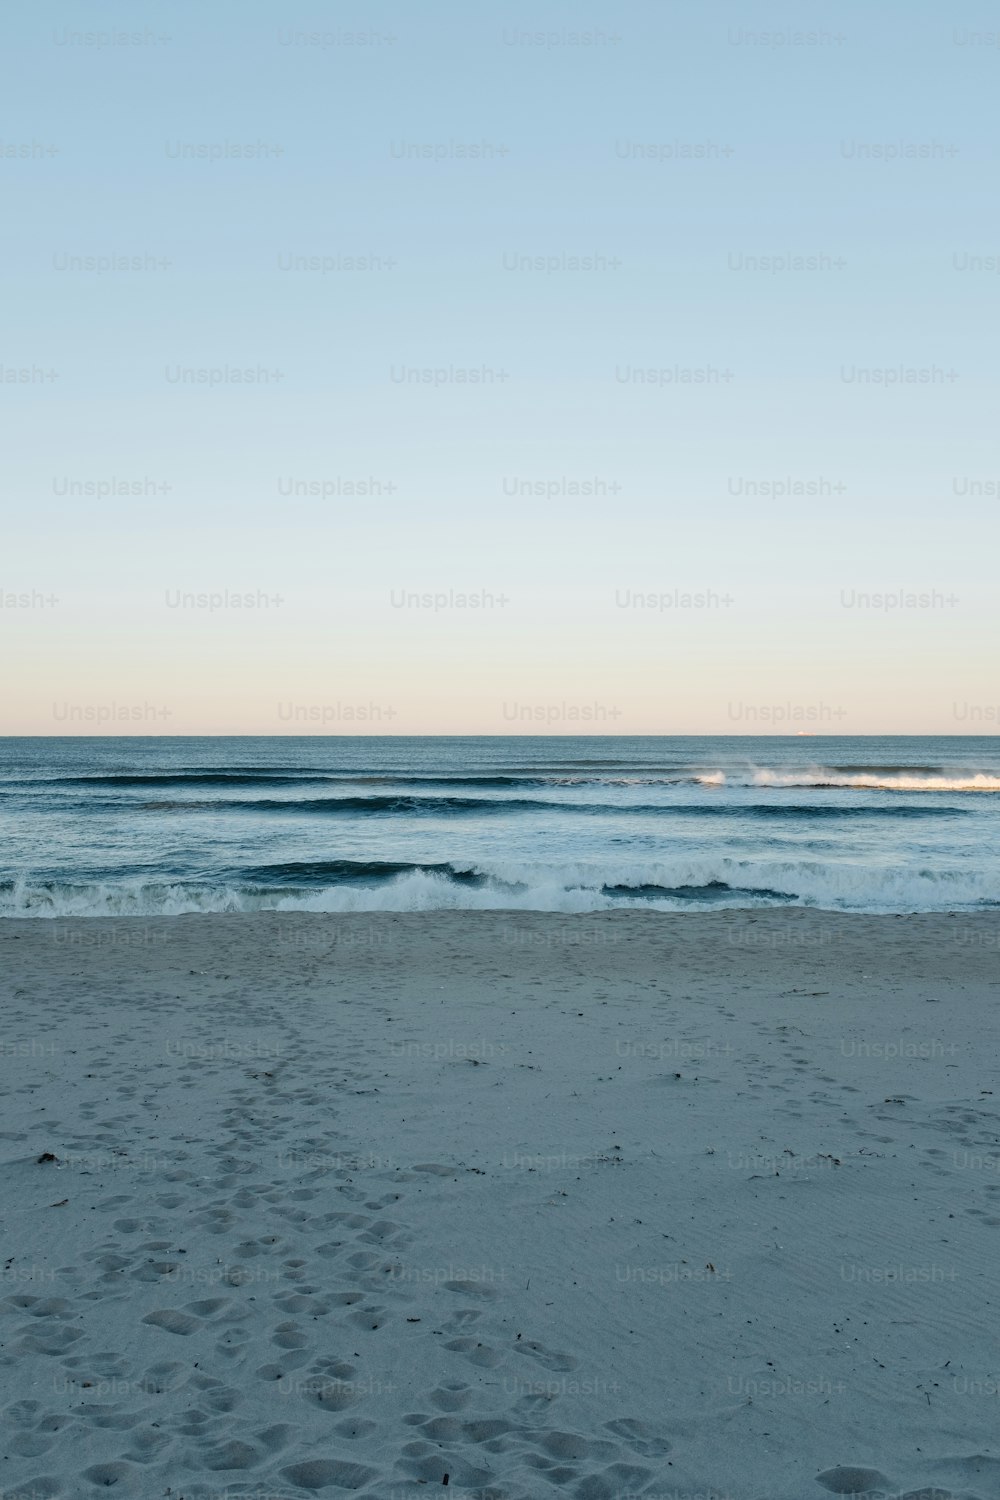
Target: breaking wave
{"x": 894, "y": 780}
{"x": 677, "y": 884}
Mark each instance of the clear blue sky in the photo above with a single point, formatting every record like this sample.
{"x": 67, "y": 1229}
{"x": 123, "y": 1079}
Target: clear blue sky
{"x": 673, "y": 147}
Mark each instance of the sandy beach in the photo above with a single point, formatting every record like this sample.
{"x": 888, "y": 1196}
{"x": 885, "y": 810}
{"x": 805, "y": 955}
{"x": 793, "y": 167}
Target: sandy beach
{"x": 518, "y": 1204}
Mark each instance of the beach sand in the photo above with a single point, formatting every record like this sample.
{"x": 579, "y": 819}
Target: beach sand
{"x": 528, "y": 1205}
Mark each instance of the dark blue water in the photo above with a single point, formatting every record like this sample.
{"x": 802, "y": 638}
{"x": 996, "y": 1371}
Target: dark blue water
{"x": 160, "y": 826}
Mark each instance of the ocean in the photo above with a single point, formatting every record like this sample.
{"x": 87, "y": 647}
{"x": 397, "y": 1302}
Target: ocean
{"x": 163, "y": 826}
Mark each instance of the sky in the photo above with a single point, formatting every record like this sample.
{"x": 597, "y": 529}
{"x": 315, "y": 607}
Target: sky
{"x": 627, "y": 367}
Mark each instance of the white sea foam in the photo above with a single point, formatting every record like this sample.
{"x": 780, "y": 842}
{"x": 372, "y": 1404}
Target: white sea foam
{"x": 708, "y": 882}
{"x": 819, "y": 776}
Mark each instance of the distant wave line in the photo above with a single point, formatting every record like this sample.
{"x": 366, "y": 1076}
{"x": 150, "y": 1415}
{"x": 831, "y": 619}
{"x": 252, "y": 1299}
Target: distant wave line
{"x": 388, "y": 806}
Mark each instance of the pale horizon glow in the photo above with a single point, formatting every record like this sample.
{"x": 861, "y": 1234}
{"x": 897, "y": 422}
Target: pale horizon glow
{"x": 548, "y": 431}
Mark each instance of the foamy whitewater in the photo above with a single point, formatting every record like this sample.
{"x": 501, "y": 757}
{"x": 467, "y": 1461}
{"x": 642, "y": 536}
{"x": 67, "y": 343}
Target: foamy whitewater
{"x": 102, "y": 827}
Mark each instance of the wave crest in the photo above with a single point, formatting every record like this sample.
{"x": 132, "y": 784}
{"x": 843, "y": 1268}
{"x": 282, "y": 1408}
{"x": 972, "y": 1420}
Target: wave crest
{"x": 677, "y": 884}
{"x": 819, "y": 777}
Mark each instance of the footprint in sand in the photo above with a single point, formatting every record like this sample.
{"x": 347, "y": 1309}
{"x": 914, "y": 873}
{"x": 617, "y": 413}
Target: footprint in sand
{"x": 846, "y": 1479}
{"x": 451, "y": 1397}
{"x": 550, "y": 1358}
{"x": 640, "y": 1436}
{"x": 471, "y": 1289}
{"x": 476, "y": 1353}
{"x": 320, "y": 1473}
{"x": 172, "y": 1321}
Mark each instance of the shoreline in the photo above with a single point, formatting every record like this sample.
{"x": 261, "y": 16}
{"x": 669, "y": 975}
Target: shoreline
{"x": 742, "y": 929}
{"x": 605, "y": 1205}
